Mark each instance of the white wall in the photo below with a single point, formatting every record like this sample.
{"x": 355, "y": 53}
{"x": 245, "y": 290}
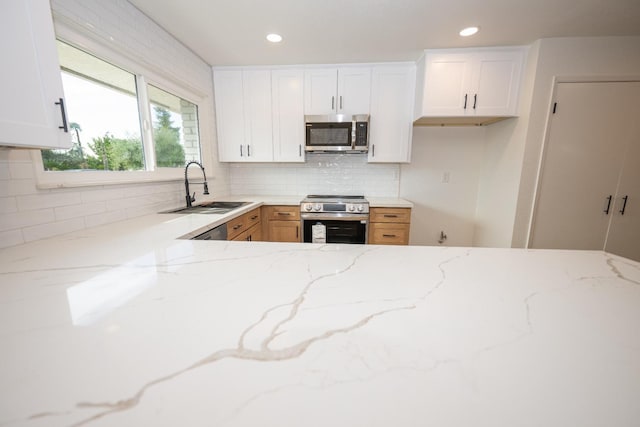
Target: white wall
{"x": 443, "y": 206}
{"x": 498, "y": 187}
{"x": 594, "y": 57}
{"x": 28, "y": 213}
{"x": 320, "y": 174}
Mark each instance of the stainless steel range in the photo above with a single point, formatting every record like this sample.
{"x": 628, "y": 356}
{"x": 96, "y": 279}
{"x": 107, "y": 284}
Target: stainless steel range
{"x": 334, "y": 219}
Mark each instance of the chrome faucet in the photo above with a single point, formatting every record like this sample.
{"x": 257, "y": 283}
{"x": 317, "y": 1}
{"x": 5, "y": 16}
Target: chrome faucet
{"x": 189, "y": 197}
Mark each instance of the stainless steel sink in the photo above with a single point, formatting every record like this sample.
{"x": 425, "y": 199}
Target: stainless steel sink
{"x": 210, "y": 208}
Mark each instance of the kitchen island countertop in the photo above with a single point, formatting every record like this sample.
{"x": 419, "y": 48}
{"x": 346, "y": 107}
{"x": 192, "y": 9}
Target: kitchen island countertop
{"x": 127, "y": 325}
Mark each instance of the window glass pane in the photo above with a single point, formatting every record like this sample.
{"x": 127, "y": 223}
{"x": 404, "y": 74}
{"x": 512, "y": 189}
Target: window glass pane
{"x": 102, "y": 109}
{"x": 175, "y": 128}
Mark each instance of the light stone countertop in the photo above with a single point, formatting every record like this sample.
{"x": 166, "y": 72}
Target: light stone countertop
{"x": 126, "y": 325}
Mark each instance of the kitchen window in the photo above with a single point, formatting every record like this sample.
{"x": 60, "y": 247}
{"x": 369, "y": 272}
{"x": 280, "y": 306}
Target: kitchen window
{"x": 123, "y": 128}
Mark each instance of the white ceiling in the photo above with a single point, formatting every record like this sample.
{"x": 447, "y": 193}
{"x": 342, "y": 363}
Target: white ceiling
{"x": 232, "y": 32}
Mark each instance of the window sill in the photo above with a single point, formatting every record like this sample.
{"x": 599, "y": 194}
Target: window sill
{"x": 74, "y": 179}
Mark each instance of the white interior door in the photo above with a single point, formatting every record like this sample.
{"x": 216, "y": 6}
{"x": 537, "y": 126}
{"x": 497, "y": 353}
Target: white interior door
{"x": 582, "y": 163}
{"x": 624, "y": 233}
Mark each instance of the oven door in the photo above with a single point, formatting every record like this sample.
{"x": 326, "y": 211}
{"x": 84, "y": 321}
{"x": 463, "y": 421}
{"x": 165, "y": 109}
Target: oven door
{"x": 334, "y": 228}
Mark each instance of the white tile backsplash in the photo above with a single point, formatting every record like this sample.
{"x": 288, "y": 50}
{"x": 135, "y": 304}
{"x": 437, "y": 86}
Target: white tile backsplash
{"x": 320, "y": 174}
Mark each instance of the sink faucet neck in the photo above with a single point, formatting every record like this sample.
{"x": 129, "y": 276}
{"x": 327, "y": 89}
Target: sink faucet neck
{"x": 189, "y": 198}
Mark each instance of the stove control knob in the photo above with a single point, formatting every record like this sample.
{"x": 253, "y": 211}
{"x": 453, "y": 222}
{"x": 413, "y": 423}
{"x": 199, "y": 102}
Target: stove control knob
{"x": 360, "y": 208}
{"x": 351, "y": 208}
{"x": 308, "y": 207}
{"x": 317, "y": 207}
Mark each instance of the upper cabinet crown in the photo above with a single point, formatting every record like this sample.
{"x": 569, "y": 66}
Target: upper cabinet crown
{"x": 32, "y": 109}
{"x": 468, "y": 86}
{"x": 337, "y": 90}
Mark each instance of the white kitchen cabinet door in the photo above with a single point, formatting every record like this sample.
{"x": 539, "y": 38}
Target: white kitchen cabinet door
{"x": 243, "y": 115}
{"x": 495, "y": 84}
{"x": 258, "y": 116}
{"x": 447, "y": 82}
{"x": 391, "y": 126}
{"x": 288, "y": 115}
{"x": 31, "y": 112}
{"x": 337, "y": 91}
{"x": 230, "y": 122}
{"x": 469, "y": 83}
{"x": 579, "y": 192}
{"x": 320, "y": 91}
{"x": 354, "y": 90}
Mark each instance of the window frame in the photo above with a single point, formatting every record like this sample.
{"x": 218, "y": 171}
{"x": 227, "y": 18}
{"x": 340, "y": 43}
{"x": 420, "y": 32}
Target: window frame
{"x": 145, "y": 74}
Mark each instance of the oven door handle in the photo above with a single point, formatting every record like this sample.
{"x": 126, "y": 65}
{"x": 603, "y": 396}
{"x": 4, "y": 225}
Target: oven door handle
{"x": 333, "y": 217}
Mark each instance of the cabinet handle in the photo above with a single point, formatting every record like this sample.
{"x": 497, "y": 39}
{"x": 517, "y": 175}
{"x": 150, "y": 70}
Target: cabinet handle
{"x": 390, "y": 216}
{"x": 297, "y": 231}
{"x": 248, "y": 150}
{"x": 237, "y": 226}
{"x": 624, "y": 204}
{"x": 240, "y": 150}
{"x": 284, "y": 213}
{"x": 475, "y": 100}
{"x": 333, "y": 102}
{"x": 64, "y": 115}
{"x": 341, "y": 102}
{"x": 465, "y": 101}
{"x": 254, "y": 217}
{"x": 606, "y": 211}
{"x": 389, "y": 235}
{"x": 300, "y": 150}
{"x": 373, "y": 150}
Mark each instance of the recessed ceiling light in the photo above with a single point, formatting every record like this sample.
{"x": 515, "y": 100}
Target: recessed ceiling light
{"x": 469, "y": 31}
{"x": 274, "y": 38}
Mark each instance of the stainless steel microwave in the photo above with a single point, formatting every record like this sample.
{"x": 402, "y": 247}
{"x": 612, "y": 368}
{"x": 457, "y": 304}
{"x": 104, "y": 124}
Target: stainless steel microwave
{"x": 338, "y": 132}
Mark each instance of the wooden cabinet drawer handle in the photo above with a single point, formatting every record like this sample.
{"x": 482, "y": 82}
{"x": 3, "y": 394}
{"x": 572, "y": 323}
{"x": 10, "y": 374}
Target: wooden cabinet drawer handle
{"x": 237, "y": 226}
{"x": 254, "y": 217}
{"x": 284, "y": 213}
{"x": 390, "y": 216}
{"x": 389, "y": 235}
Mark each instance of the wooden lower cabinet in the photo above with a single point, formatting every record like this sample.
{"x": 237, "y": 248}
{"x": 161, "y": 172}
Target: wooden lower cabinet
{"x": 246, "y": 227}
{"x": 281, "y": 223}
{"x": 389, "y": 226}
{"x": 254, "y": 234}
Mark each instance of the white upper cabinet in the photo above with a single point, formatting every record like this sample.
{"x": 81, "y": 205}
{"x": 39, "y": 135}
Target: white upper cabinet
{"x": 478, "y": 86}
{"x": 32, "y": 109}
{"x": 337, "y": 90}
{"x": 288, "y": 115}
{"x": 391, "y": 124}
{"x": 243, "y": 111}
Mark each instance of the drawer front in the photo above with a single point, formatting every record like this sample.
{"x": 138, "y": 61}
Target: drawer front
{"x": 253, "y": 234}
{"x": 399, "y": 215}
{"x": 283, "y": 213}
{"x": 235, "y": 227}
{"x": 252, "y": 218}
{"x": 388, "y": 234}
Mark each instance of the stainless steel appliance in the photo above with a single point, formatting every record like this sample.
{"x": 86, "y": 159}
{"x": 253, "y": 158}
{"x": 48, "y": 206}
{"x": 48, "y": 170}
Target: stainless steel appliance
{"x": 217, "y": 233}
{"x": 334, "y": 219}
{"x": 338, "y": 132}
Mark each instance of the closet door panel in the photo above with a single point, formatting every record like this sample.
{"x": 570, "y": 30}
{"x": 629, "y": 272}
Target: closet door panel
{"x": 581, "y": 167}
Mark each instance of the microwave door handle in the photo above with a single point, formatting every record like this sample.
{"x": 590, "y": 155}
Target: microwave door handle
{"x": 353, "y": 134}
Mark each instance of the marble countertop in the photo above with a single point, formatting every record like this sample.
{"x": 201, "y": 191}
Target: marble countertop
{"x": 126, "y": 325}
